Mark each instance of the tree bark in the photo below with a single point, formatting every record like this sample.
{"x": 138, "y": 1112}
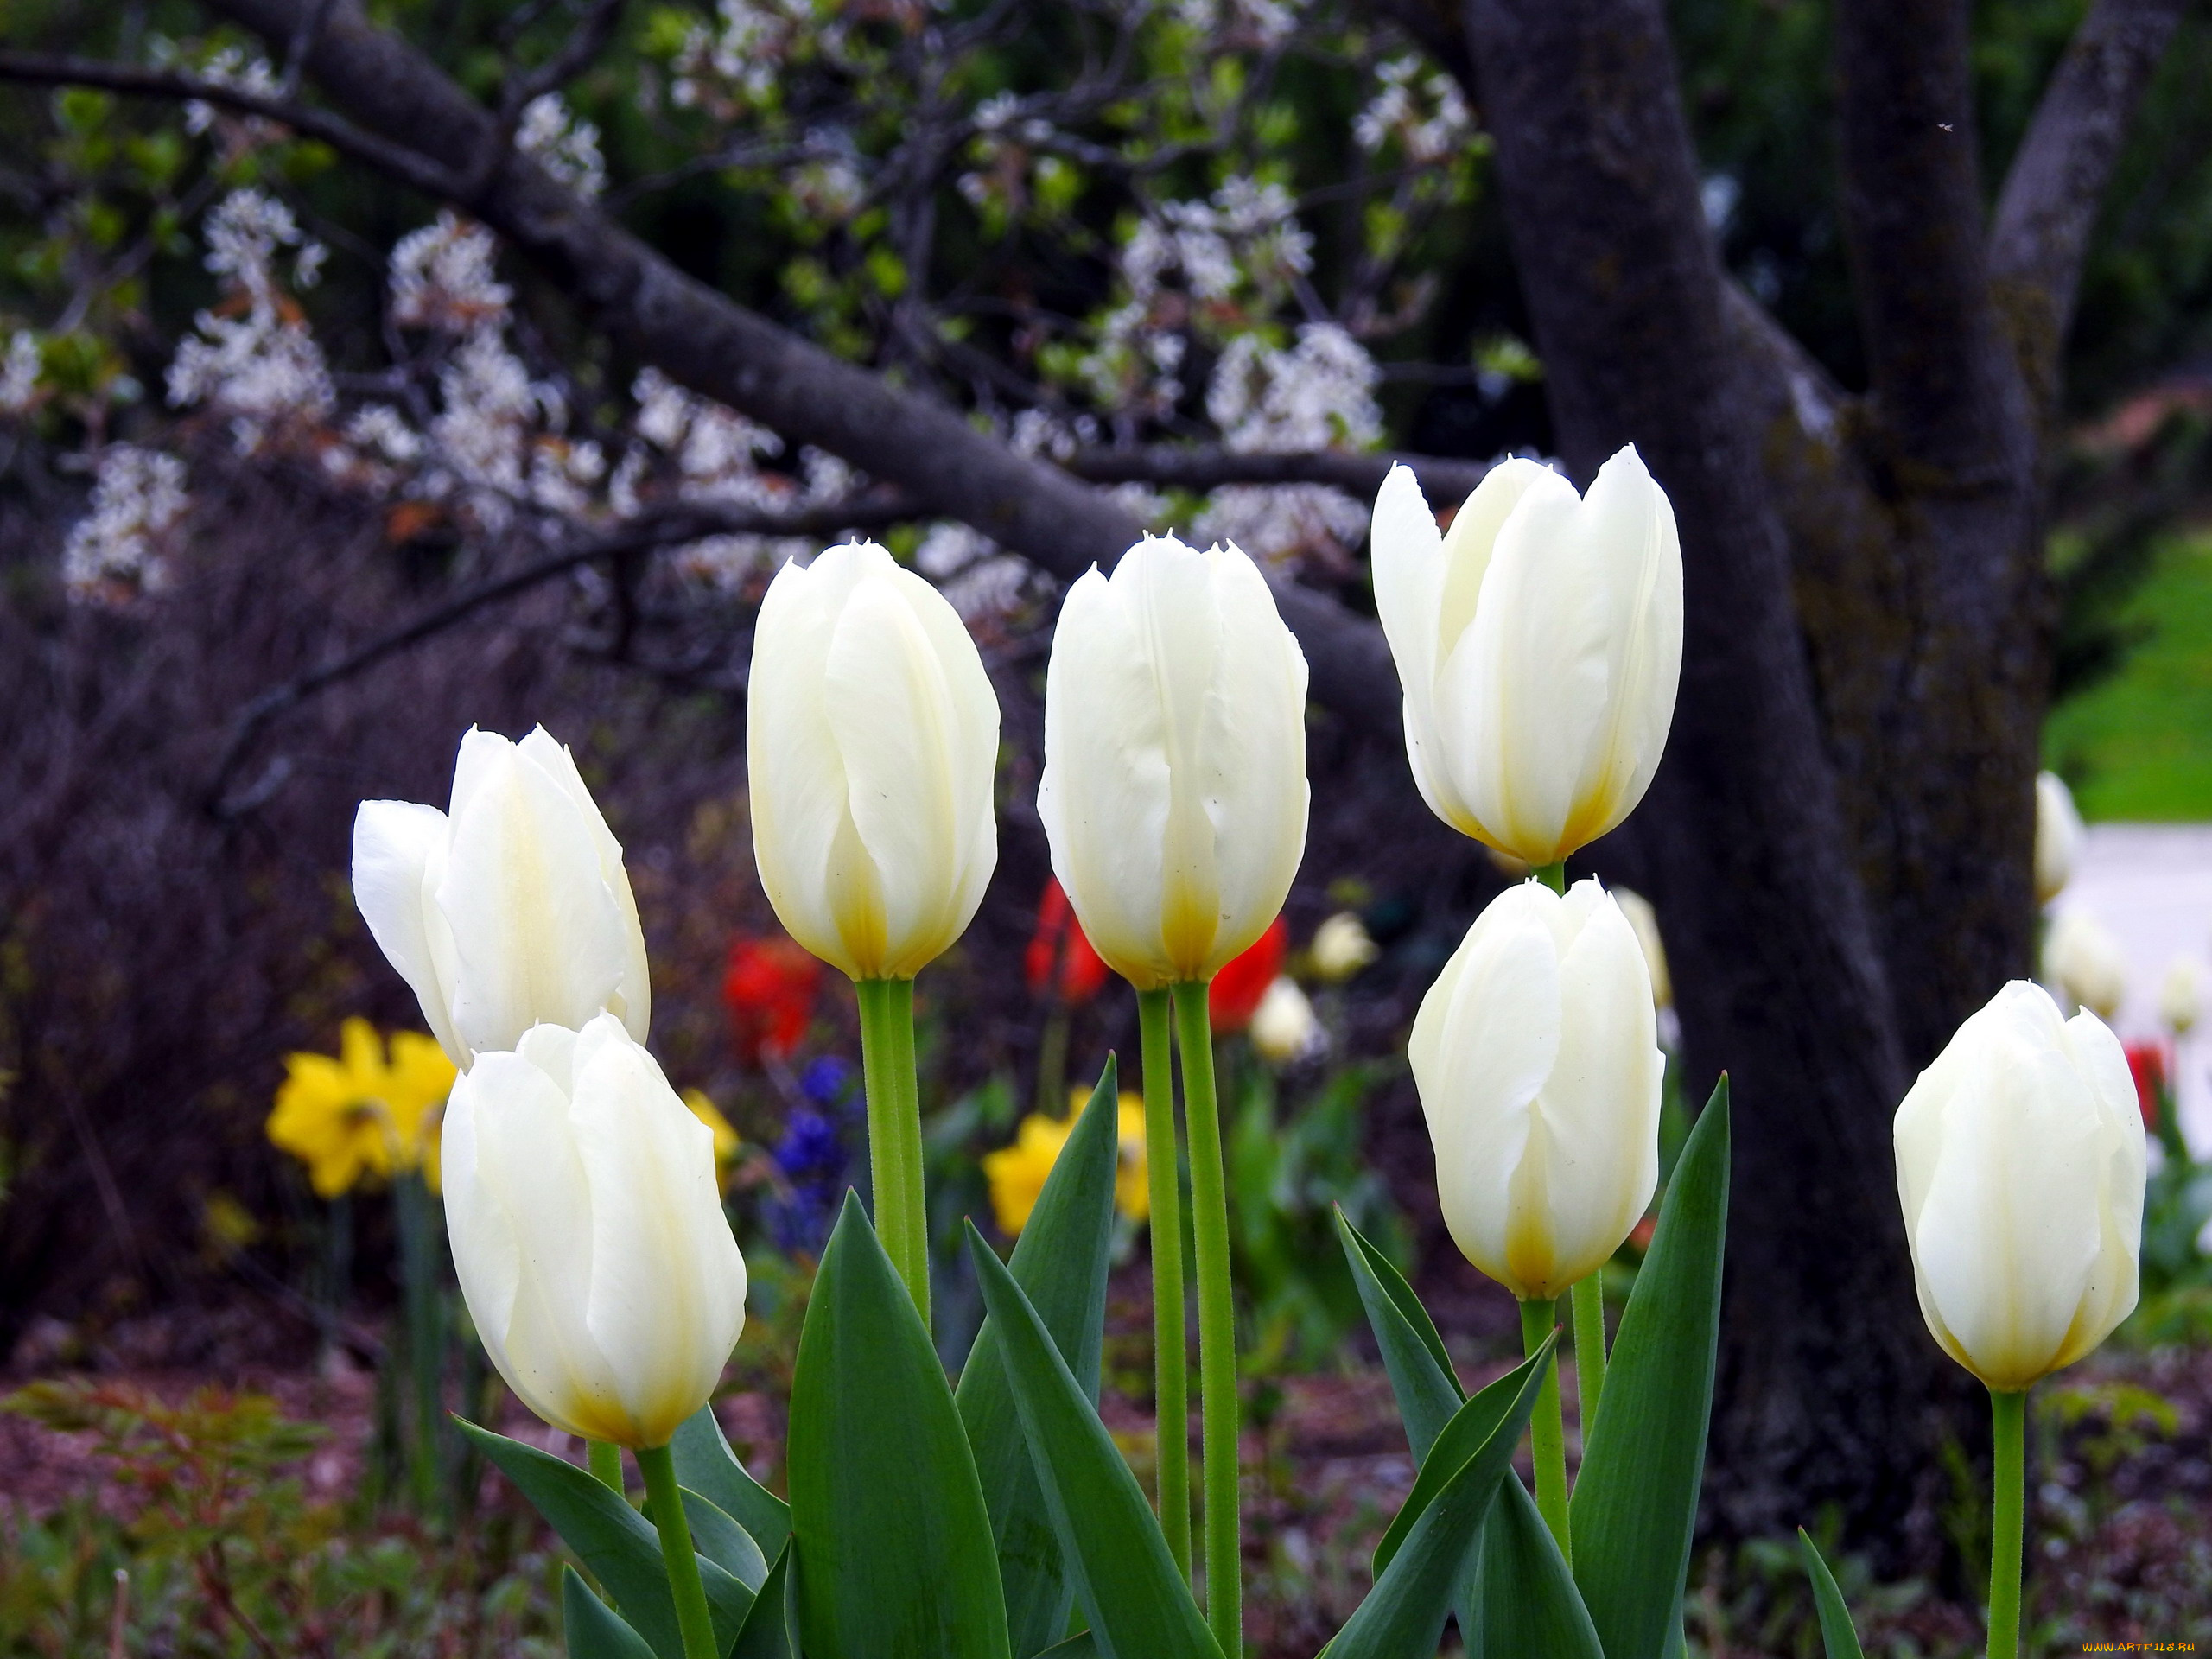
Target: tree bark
{"x": 1840, "y": 836}
{"x": 1782, "y": 981}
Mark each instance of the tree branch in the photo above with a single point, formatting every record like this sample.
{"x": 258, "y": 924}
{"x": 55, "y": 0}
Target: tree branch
{"x": 704, "y": 341}
{"x": 1444, "y": 481}
{"x": 2059, "y": 175}
{"x": 1944, "y": 384}
{"x": 53, "y": 69}
{"x": 661, "y": 529}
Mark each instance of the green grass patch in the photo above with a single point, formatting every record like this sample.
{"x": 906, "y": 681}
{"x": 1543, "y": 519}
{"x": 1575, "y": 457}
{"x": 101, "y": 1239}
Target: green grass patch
{"x": 2137, "y": 745}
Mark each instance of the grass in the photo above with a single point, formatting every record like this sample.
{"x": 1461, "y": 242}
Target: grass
{"x": 2138, "y": 747}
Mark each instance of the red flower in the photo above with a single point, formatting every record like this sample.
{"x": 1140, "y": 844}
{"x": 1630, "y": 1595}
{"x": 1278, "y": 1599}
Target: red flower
{"x": 1238, "y": 987}
{"x": 1059, "y": 954}
{"x": 2148, "y": 1062}
{"x": 769, "y": 990}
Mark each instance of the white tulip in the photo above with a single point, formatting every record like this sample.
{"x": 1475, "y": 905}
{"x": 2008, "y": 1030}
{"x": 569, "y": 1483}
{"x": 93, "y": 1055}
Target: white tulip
{"x": 1538, "y": 644}
{"x": 871, "y": 734}
{"x": 1284, "y": 1027}
{"x": 2020, "y": 1165}
{"x": 2058, "y": 835}
{"x": 2082, "y": 957}
{"x": 2181, "y": 996}
{"x": 1174, "y": 788}
{"x": 588, "y": 1234}
{"x": 1342, "y": 947}
{"x": 1537, "y": 1059}
{"x": 511, "y": 911}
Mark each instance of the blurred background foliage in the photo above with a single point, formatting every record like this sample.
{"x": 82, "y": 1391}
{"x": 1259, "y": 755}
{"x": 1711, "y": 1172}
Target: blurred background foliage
{"x": 167, "y": 935}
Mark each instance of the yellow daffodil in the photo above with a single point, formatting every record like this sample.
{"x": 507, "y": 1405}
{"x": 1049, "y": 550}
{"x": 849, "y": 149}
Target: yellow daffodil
{"x": 727, "y": 1140}
{"x": 361, "y": 1113}
{"x": 1017, "y": 1173}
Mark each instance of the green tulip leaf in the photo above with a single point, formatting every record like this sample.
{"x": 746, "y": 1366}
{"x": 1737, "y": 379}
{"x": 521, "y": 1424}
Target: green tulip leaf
{"x": 1078, "y": 1646}
{"x": 771, "y": 1628}
{"x": 1530, "y": 1603}
{"x": 1422, "y": 1377}
{"x": 617, "y": 1543}
{"x": 893, "y": 1541}
{"x": 705, "y": 1464}
{"x": 1634, "y": 1505}
{"x": 1836, "y": 1634}
{"x": 1458, "y": 1483}
{"x": 1464, "y": 1435}
{"x": 721, "y": 1540}
{"x": 1061, "y": 1263}
{"x": 592, "y": 1629}
{"x": 1136, "y": 1602}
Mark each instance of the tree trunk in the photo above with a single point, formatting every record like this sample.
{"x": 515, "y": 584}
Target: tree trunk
{"x": 1840, "y": 839}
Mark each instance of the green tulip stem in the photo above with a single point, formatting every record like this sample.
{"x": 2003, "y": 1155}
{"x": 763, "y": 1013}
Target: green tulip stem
{"x": 1171, "y": 1364}
{"x": 1552, "y": 875}
{"x": 894, "y": 1130}
{"x": 1589, "y": 1347}
{"x": 691, "y": 1615}
{"x": 1217, "y": 1320}
{"x": 425, "y": 1334}
{"x": 606, "y": 1465}
{"x": 2009, "y": 1414}
{"x": 1547, "y": 1438}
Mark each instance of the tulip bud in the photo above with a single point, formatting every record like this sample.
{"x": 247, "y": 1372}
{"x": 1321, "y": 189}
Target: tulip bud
{"x": 871, "y": 733}
{"x": 1645, "y": 921}
{"x": 1342, "y": 947}
{"x": 511, "y": 911}
{"x": 2020, "y": 1165}
{"x": 2082, "y": 958}
{"x": 1538, "y": 644}
{"x": 2058, "y": 835}
{"x": 1537, "y": 1059}
{"x": 588, "y": 1234}
{"x": 1284, "y": 1027}
{"x": 2181, "y": 996}
{"x": 1174, "y": 786}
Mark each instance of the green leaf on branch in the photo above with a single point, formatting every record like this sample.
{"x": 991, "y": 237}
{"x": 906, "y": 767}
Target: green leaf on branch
{"x": 1061, "y": 1263}
{"x": 893, "y": 1542}
{"x": 1136, "y": 1602}
{"x": 1530, "y": 1603}
{"x": 617, "y": 1543}
{"x": 1422, "y": 1377}
{"x": 592, "y": 1629}
{"x": 1634, "y": 1505}
{"x": 772, "y": 1628}
{"x": 1443, "y": 1517}
{"x": 705, "y": 1464}
{"x": 1836, "y": 1634}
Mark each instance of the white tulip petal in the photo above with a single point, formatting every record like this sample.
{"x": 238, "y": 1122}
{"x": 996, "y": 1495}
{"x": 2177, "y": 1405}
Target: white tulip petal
{"x": 1600, "y": 1106}
{"x": 633, "y": 1003}
{"x": 531, "y": 1196}
{"x": 2021, "y": 1169}
{"x": 1105, "y": 791}
{"x": 803, "y": 837}
{"x": 1252, "y": 765}
{"x": 1487, "y": 1036}
{"x": 667, "y": 1280}
{"x": 1539, "y": 644}
{"x": 1406, "y": 555}
{"x": 539, "y": 934}
{"x": 871, "y": 738}
{"x": 399, "y": 855}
